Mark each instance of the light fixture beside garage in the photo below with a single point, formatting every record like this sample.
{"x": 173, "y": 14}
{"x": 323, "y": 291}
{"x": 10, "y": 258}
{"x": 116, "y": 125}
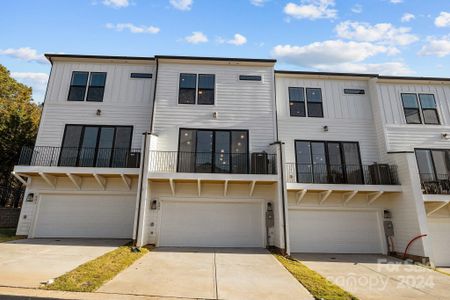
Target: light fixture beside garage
{"x": 30, "y": 197}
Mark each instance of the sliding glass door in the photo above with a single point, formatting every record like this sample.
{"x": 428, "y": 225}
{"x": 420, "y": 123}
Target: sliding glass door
{"x": 213, "y": 151}
{"x": 328, "y": 162}
{"x": 95, "y": 146}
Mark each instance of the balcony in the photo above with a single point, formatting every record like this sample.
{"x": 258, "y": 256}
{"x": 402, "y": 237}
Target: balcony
{"x": 435, "y": 184}
{"x": 260, "y": 163}
{"x": 373, "y": 180}
{"x": 45, "y": 156}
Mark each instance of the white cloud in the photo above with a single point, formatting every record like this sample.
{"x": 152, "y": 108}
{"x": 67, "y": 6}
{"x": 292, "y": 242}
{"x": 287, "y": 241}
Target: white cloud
{"x": 339, "y": 56}
{"x": 28, "y": 54}
{"x": 331, "y": 52}
{"x": 182, "y": 4}
{"x": 396, "y": 1}
{"x": 237, "y": 40}
{"x": 384, "y": 33}
{"x": 407, "y": 17}
{"x": 357, "y": 8}
{"x": 258, "y": 2}
{"x": 116, "y": 3}
{"x": 311, "y": 9}
{"x": 38, "y": 82}
{"x": 443, "y": 20}
{"x": 197, "y": 37}
{"x": 133, "y": 28}
{"x": 439, "y": 47}
{"x": 388, "y": 68}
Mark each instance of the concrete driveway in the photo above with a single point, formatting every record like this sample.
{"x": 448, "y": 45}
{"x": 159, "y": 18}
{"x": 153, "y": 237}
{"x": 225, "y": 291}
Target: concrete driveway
{"x": 208, "y": 274}
{"x": 27, "y": 263}
{"x": 378, "y": 276}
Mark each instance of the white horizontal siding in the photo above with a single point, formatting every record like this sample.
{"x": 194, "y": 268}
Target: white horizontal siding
{"x": 239, "y": 104}
{"x": 408, "y": 137}
{"x": 348, "y": 117}
{"x": 126, "y": 101}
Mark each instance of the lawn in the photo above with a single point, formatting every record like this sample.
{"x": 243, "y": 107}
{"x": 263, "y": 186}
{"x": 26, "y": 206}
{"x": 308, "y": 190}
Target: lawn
{"x": 8, "y": 234}
{"x": 317, "y": 285}
{"x": 90, "y": 276}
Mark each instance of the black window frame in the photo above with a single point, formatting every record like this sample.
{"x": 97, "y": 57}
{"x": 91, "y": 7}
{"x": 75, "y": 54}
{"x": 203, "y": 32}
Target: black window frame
{"x": 90, "y": 86}
{"x": 213, "y": 150}
{"x": 141, "y": 75}
{"x": 250, "y": 77}
{"x": 308, "y": 102}
{"x": 435, "y": 175}
{"x": 78, "y": 86}
{"x": 293, "y": 103}
{"x": 84, "y": 126}
{"x": 196, "y": 89}
{"x": 411, "y": 108}
{"x": 435, "y": 109}
{"x": 327, "y": 164}
{"x": 354, "y": 91}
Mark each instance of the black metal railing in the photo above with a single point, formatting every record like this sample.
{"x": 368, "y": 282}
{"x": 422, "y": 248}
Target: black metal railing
{"x": 80, "y": 157}
{"x": 377, "y": 174}
{"x": 435, "y": 183}
{"x": 210, "y": 162}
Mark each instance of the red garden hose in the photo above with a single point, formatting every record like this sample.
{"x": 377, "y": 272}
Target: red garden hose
{"x": 410, "y": 243}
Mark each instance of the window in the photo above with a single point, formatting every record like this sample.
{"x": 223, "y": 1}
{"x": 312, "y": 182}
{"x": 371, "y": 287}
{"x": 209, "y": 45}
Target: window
{"x": 194, "y": 91}
{"x": 354, "y": 91}
{"x": 206, "y": 83}
{"x": 213, "y": 151}
{"x": 429, "y": 110}
{"x": 328, "y": 162}
{"x": 297, "y": 102}
{"x": 411, "y": 109}
{"x": 313, "y": 102}
{"x": 422, "y": 111}
{"x": 250, "y": 77}
{"x": 96, "y": 87}
{"x": 141, "y": 75}
{"x": 433, "y": 164}
{"x": 78, "y": 86}
{"x": 96, "y": 146}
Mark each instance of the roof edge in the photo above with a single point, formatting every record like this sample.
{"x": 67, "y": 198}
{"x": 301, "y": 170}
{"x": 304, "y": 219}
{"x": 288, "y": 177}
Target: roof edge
{"x": 326, "y": 73}
{"x": 49, "y": 56}
{"x": 212, "y": 58}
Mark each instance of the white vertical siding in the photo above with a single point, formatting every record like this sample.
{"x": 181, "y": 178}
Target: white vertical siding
{"x": 126, "y": 101}
{"x": 239, "y": 104}
{"x": 348, "y": 117}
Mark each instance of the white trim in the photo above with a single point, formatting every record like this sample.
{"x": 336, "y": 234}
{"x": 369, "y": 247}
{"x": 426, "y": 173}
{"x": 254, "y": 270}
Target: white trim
{"x": 372, "y": 197}
{"x": 76, "y": 170}
{"x": 344, "y": 187}
{"x": 100, "y": 180}
{"x": 126, "y": 180}
{"x": 300, "y": 195}
{"x": 76, "y": 180}
{"x": 50, "y": 179}
{"x": 324, "y": 196}
{"x": 35, "y": 217}
{"x": 19, "y": 177}
{"x": 434, "y": 210}
{"x": 349, "y": 196}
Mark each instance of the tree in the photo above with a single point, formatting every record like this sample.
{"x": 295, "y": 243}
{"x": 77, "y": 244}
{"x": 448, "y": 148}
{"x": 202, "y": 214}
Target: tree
{"x": 19, "y": 120}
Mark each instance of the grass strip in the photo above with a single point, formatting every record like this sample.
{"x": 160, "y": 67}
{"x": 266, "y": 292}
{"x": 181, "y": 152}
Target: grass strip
{"x": 316, "y": 284}
{"x": 90, "y": 276}
{"x": 9, "y": 234}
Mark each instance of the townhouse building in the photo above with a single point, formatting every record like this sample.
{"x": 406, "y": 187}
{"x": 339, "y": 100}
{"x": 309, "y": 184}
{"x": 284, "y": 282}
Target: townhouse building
{"x": 228, "y": 152}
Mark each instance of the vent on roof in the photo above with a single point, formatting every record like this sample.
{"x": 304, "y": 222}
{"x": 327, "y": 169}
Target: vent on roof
{"x": 141, "y": 75}
{"x": 250, "y": 77}
{"x": 354, "y": 91}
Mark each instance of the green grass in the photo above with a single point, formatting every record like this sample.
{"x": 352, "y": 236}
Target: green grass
{"x": 317, "y": 285}
{"x": 8, "y": 234}
{"x": 90, "y": 276}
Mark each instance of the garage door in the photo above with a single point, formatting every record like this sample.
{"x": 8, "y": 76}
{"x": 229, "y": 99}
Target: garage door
{"x": 334, "y": 231}
{"x": 200, "y": 224}
{"x": 440, "y": 238}
{"x": 89, "y": 216}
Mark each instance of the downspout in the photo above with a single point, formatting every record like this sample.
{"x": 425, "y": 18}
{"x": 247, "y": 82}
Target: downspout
{"x": 141, "y": 183}
{"x": 283, "y": 199}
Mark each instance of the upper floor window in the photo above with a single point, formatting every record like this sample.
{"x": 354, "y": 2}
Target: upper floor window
{"x": 196, "y": 88}
{"x": 420, "y": 109}
{"x": 313, "y": 108}
{"x": 79, "y": 91}
{"x": 434, "y": 170}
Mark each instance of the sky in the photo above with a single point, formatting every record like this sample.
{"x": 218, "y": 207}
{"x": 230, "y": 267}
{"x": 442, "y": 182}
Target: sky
{"x": 389, "y": 37}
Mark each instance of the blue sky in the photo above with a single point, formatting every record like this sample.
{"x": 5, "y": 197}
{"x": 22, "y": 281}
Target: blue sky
{"x": 396, "y": 37}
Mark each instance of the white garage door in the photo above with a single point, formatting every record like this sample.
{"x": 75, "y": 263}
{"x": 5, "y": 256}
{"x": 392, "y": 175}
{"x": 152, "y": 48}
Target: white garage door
{"x": 334, "y": 231}
{"x": 88, "y": 216}
{"x": 200, "y": 224}
{"x": 440, "y": 238}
